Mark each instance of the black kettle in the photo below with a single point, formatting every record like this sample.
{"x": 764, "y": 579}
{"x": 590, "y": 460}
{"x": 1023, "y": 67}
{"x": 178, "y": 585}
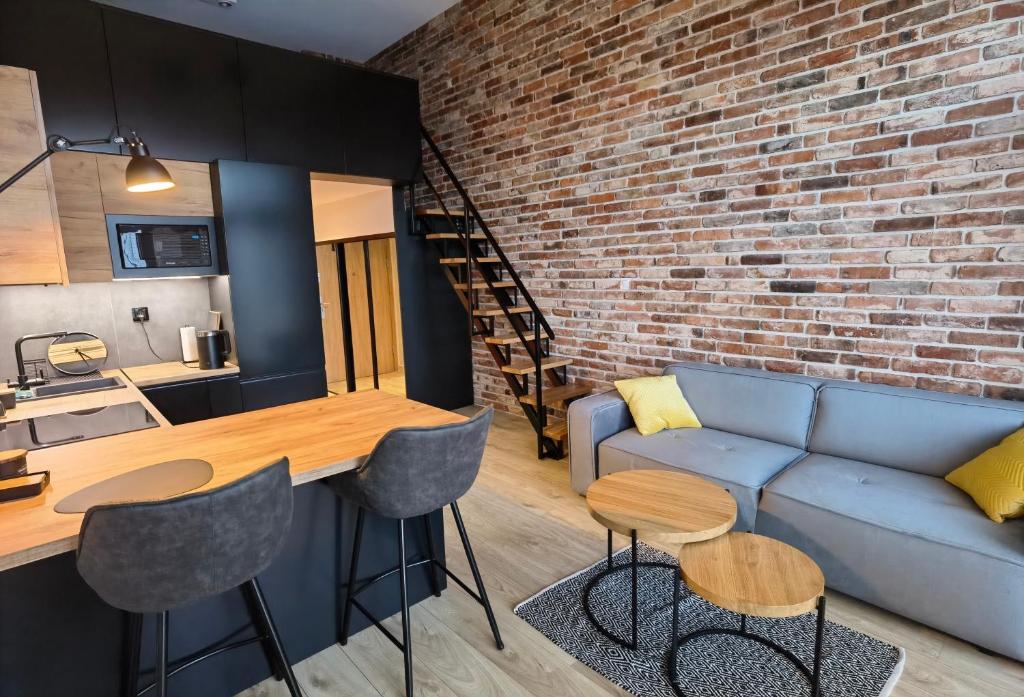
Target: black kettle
{"x": 213, "y": 346}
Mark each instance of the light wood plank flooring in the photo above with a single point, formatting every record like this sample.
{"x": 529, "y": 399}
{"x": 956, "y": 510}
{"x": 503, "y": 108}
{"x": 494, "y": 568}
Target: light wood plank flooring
{"x": 392, "y": 383}
{"x": 530, "y": 529}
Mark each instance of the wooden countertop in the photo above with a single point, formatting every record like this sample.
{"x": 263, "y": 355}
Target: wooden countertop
{"x": 320, "y": 437}
{"x": 173, "y": 371}
{"x": 60, "y": 405}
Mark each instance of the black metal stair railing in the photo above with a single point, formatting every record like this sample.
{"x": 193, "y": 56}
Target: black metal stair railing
{"x": 541, "y": 331}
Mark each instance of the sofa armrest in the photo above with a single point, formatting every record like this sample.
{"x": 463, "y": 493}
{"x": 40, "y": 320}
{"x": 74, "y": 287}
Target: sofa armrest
{"x": 591, "y": 420}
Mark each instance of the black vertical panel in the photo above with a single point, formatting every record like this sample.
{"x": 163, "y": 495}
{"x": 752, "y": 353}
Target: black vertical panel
{"x": 266, "y": 215}
{"x": 435, "y": 328}
{"x": 177, "y": 85}
{"x": 382, "y": 125}
{"x": 63, "y": 41}
{"x": 293, "y": 106}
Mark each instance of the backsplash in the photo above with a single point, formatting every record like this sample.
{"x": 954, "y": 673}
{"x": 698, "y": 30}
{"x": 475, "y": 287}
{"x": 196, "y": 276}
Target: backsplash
{"x": 103, "y": 309}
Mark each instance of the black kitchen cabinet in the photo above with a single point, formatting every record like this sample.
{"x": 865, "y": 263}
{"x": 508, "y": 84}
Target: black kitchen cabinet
{"x": 63, "y": 42}
{"x": 272, "y": 391}
{"x": 185, "y": 402}
{"x": 293, "y": 108}
{"x": 381, "y": 125}
{"x": 181, "y": 402}
{"x": 225, "y": 396}
{"x": 177, "y": 85}
{"x": 266, "y": 213}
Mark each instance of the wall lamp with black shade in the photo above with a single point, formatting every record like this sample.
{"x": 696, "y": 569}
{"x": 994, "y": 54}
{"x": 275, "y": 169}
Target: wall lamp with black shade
{"x": 143, "y": 173}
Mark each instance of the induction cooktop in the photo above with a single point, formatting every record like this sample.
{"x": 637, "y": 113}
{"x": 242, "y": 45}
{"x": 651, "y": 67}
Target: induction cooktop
{"x": 73, "y": 426}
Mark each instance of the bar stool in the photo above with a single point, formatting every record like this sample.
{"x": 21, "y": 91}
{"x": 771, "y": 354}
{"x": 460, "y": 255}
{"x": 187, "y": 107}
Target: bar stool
{"x": 155, "y": 556}
{"x": 410, "y": 474}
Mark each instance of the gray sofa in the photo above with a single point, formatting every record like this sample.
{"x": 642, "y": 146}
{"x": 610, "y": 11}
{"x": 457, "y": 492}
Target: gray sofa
{"x": 851, "y": 474}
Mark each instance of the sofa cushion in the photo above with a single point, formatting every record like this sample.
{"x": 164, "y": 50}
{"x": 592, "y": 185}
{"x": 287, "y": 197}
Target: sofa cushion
{"x": 908, "y": 542}
{"x": 740, "y": 464}
{"x": 924, "y": 432}
{"x": 755, "y": 403}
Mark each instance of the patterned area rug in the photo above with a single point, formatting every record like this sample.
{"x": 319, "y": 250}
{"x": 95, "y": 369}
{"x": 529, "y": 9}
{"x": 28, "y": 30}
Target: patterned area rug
{"x": 854, "y": 664}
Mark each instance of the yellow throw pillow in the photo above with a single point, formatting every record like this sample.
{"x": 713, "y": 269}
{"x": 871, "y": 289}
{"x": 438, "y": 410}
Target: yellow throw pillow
{"x": 656, "y": 403}
{"x": 995, "y": 479}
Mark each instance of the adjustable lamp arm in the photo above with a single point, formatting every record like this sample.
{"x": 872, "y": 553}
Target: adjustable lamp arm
{"x": 56, "y": 143}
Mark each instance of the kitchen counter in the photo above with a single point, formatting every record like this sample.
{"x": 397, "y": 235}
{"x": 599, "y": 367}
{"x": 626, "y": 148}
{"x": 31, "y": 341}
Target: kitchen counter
{"x": 34, "y": 408}
{"x": 60, "y": 638}
{"x": 173, "y": 371}
{"x": 320, "y": 437}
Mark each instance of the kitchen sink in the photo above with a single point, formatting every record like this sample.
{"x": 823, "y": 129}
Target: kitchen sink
{"x": 59, "y": 389}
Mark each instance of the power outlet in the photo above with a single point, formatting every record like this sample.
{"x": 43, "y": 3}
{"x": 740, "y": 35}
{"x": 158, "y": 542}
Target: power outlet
{"x": 140, "y": 314}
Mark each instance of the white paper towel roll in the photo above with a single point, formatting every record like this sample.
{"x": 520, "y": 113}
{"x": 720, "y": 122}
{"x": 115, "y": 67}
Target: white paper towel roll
{"x": 189, "y": 352}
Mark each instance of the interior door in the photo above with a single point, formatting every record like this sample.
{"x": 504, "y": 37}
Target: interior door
{"x": 330, "y": 312}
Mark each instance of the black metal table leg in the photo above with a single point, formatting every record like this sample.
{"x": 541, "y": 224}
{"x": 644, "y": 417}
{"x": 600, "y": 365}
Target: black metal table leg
{"x": 812, "y": 674}
{"x": 819, "y": 639}
{"x": 634, "y": 567}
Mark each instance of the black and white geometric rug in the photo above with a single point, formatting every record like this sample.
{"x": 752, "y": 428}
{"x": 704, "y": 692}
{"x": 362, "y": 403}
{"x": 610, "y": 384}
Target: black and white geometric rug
{"x": 854, "y": 664}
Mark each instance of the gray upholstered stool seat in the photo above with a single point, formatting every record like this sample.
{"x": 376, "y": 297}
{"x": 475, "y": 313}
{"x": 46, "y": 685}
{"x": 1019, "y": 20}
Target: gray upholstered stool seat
{"x": 412, "y": 473}
{"x": 155, "y": 556}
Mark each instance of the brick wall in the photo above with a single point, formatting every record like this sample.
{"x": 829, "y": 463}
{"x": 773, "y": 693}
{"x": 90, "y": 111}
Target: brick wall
{"x": 827, "y": 187}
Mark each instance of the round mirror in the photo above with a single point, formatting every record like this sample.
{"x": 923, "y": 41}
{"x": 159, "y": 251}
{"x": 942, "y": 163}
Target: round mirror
{"x": 77, "y": 353}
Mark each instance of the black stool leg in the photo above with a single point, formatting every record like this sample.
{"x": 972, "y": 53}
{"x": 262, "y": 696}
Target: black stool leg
{"x": 435, "y": 583}
{"x": 403, "y": 580}
{"x": 346, "y": 610}
{"x": 476, "y": 575}
{"x": 269, "y": 631}
{"x": 161, "y": 654}
{"x": 132, "y": 640}
{"x": 252, "y": 604}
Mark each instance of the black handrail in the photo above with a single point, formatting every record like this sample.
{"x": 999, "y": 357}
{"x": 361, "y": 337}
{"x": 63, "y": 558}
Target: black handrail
{"x": 469, "y": 267}
{"x": 469, "y": 206}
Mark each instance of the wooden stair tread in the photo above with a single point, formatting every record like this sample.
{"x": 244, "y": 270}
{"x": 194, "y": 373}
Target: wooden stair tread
{"x": 498, "y": 312}
{"x": 554, "y": 395}
{"x": 478, "y": 285}
{"x": 559, "y": 430}
{"x": 457, "y": 261}
{"x": 424, "y": 210}
{"x": 525, "y": 367}
{"x": 501, "y": 339}
{"x": 453, "y": 236}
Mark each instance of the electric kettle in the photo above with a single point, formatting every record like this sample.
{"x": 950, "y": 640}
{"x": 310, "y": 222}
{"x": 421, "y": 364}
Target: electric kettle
{"x": 213, "y": 346}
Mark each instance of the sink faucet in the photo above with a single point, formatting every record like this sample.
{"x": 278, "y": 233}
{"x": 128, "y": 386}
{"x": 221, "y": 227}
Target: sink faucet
{"x": 24, "y": 381}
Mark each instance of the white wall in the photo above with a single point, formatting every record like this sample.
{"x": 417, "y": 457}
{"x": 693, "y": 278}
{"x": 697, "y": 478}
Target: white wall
{"x": 356, "y": 216}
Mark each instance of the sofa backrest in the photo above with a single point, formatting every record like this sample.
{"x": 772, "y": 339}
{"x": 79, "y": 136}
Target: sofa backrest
{"x": 915, "y": 430}
{"x": 756, "y": 403}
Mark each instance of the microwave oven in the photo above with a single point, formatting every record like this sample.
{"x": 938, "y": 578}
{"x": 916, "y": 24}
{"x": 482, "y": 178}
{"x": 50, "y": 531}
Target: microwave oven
{"x": 154, "y": 246}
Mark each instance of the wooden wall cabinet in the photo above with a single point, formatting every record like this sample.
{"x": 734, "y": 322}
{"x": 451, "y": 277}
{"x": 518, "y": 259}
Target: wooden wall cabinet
{"x": 90, "y": 186}
{"x": 30, "y": 236}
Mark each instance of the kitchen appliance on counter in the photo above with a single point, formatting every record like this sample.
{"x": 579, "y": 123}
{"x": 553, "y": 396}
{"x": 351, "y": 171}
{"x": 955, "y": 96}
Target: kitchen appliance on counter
{"x": 154, "y": 246}
{"x": 75, "y": 426}
{"x": 213, "y": 346}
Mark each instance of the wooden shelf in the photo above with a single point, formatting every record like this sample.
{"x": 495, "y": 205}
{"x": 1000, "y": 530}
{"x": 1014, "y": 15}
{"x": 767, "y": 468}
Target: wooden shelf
{"x": 525, "y": 367}
{"x": 555, "y": 395}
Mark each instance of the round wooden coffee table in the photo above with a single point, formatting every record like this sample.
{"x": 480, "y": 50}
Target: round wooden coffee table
{"x": 751, "y": 574}
{"x": 671, "y": 507}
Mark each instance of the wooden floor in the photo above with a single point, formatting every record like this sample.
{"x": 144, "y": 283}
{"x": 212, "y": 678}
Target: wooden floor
{"x": 392, "y": 383}
{"x": 529, "y": 529}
